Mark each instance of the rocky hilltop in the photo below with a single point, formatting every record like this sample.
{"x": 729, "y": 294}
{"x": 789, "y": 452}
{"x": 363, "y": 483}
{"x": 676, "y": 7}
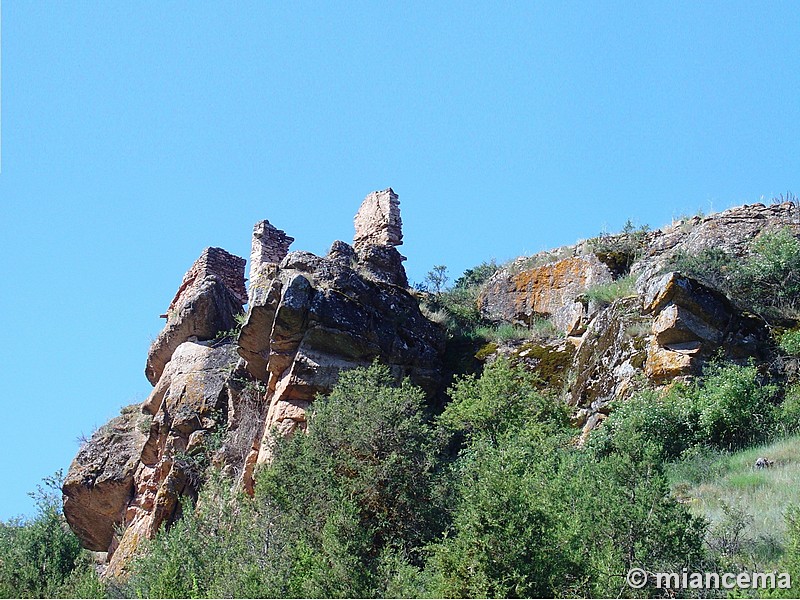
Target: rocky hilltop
{"x": 221, "y": 374}
{"x": 226, "y": 380}
{"x": 659, "y": 324}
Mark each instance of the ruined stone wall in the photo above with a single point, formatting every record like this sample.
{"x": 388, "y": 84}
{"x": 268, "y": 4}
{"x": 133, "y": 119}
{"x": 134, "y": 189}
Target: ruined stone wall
{"x": 378, "y": 221}
{"x": 213, "y": 261}
{"x": 210, "y": 295}
{"x": 270, "y": 245}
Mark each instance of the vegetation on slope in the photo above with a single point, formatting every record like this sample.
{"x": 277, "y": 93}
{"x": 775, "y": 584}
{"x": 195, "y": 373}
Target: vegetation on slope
{"x": 766, "y": 281}
{"x": 491, "y": 498}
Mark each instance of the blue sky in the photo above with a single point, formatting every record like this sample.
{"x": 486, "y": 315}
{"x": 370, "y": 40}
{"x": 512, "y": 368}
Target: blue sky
{"x": 136, "y": 134}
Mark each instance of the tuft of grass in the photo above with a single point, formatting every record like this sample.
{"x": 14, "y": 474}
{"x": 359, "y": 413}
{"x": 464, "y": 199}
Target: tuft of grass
{"x": 606, "y": 293}
{"x": 504, "y": 333}
{"x": 540, "y": 328}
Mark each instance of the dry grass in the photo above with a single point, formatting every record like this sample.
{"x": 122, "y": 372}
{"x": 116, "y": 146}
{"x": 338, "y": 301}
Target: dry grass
{"x": 761, "y": 496}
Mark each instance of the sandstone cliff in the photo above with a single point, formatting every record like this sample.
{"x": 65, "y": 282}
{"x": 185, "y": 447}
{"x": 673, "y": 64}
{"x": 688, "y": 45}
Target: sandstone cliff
{"x": 226, "y": 382}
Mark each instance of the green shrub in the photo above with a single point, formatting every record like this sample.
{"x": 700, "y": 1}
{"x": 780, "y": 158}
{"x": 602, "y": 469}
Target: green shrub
{"x": 766, "y": 281}
{"x": 712, "y": 266}
{"x": 505, "y": 332}
{"x": 788, "y": 413}
{"x": 40, "y": 557}
{"x": 789, "y": 342}
{"x": 225, "y": 546}
{"x": 697, "y": 464}
{"x": 726, "y": 409}
{"x": 771, "y": 274}
{"x": 503, "y": 397}
{"x": 534, "y": 517}
{"x": 668, "y": 421}
{"x": 476, "y": 276}
{"x": 506, "y": 538}
{"x": 456, "y": 306}
{"x": 791, "y": 558}
{"x": 734, "y": 409}
{"x": 358, "y": 493}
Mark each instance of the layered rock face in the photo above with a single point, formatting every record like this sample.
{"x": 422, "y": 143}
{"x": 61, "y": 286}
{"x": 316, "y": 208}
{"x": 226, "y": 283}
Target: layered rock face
{"x": 222, "y": 397}
{"x": 669, "y": 326}
{"x": 693, "y": 323}
{"x": 312, "y": 317}
{"x": 551, "y": 290}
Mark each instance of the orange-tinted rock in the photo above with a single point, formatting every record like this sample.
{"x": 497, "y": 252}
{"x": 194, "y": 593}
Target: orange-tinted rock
{"x": 551, "y": 290}
{"x": 693, "y": 323}
{"x": 663, "y": 365}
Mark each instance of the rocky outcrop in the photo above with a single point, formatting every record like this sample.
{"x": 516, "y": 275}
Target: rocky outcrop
{"x": 211, "y": 294}
{"x": 551, "y": 290}
{"x": 608, "y": 357}
{"x": 269, "y": 247}
{"x": 378, "y": 221}
{"x": 189, "y": 407}
{"x": 317, "y": 316}
{"x": 223, "y": 398}
{"x": 693, "y": 323}
{"x": 100, "y": 481}
{"x": 731, "y": 230}
{"x": 668, "y": 329}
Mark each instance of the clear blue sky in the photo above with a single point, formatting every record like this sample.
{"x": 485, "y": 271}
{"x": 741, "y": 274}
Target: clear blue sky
{"x": 136, "y": 134}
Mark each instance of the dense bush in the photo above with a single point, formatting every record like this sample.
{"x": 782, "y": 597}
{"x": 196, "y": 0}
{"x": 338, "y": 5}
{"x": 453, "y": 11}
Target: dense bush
{"x": 771, "y": 274}
{"x": 505, "y": 396}
{"x": 365, "y": 505}
{"x": 766, "y": 280}
{"x": 788, "y": 414}
{"x": 711, "y": 266}
{"x": 536, "y": 517}
{"x": 457, "y": 305}
{"x": 789, "y": 342}
{"x": 734, "y": 409}
{"x": 40, "y": 557}
{"x": 340, "y": 512}
{"x": 727, "y": 409}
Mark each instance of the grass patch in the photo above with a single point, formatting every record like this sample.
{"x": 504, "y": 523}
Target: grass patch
{"x": 503, "y": 333}
{"x": 758, "y": 497}
{"x": 540, "y": 329}
{"x": 606, "y": 293}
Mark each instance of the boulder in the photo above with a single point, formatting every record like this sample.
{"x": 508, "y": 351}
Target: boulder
{"x": 211, "y": 294}
{"x": 693, "y": 323}
{"x": 99, "y": 483}
{"x": 552, "y": 290}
